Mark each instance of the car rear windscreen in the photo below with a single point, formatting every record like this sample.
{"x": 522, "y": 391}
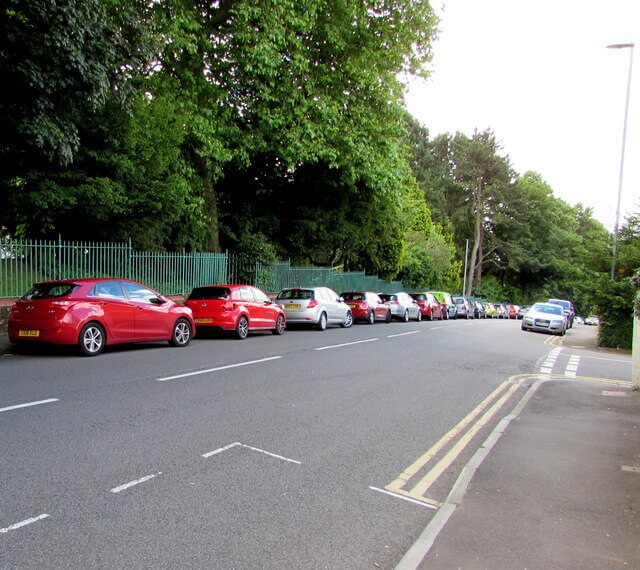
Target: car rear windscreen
{"x": 49, "y": 290}
{"x": 353, "y": 296}
{"x": 296, "y": 294}
{"x": 208, "y": 293}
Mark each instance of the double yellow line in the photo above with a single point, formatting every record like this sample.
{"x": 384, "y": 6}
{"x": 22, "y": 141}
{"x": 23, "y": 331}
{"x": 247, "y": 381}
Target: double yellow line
{"x": 465, "y": 430}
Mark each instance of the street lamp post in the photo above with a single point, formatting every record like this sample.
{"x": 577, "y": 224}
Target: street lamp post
{"x": 624, "y": 139}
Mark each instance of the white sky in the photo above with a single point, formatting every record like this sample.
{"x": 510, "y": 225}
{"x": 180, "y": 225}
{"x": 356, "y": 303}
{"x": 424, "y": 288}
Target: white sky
{"x": 537, "y": 72}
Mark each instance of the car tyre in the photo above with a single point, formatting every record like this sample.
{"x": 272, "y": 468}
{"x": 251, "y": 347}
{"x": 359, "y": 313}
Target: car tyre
{"x": 280, "y": 326}
{"x": 419, "y": 317}
{"x": 388, "y": 318}
{"x": 348, "y": 321}
{"x": 92, "y": 339}
{"x": 322, "y": 322}
{"x": 371, "y": 319}
{"x": 242, "y": 327}
{"x": 405, "y": 317}
{"x": 181, "y": 334}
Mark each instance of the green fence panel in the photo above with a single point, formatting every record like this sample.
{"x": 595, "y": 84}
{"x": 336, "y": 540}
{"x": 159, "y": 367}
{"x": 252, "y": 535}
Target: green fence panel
{"x": 24, "y": 262}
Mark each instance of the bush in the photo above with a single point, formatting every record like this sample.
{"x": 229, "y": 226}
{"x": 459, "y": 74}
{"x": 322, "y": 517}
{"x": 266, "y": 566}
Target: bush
{"x": 614, "y": 301}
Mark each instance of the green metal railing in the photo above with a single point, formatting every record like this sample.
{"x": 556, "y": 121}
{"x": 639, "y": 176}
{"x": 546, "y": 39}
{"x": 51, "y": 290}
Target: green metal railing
{"x": 24, "y": 262}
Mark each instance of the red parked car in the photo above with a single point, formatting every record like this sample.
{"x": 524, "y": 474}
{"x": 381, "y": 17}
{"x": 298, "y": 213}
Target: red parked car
{"x": 430, "y": 307}
{"x": 93, "y": 313}
{"x": 367, "y": 306}
{"x": 239, "y": 308}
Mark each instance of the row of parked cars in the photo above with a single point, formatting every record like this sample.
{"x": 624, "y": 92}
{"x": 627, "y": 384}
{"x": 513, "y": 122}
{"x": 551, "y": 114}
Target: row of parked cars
{"x": 94, "y": 313}
{"x": 470, "y": 308}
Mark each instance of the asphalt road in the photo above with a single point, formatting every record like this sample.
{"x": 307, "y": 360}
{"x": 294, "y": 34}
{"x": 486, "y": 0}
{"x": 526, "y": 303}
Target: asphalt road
{"x": 310, "y": 450}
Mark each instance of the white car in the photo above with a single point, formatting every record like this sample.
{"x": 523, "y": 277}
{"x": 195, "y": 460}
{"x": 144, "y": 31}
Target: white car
{"x": 315, "y": 306}
{"x": 402, "y": 306}
{"x": 545, "y": 317}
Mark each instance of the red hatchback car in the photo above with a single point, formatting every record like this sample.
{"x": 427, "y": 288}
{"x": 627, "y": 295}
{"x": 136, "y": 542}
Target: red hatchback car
{"x": 239, "y": 308}
{"x": 93, "y": 313}
{"x": 430, "y": 307}
{"x": 367, "y": 306}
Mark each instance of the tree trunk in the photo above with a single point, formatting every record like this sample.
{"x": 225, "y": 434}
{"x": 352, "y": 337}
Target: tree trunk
{"x": 474, "y": 252}
{"x": 212, "y": 239}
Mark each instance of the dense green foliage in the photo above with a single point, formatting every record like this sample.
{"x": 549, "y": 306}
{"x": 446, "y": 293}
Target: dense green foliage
{"x": 616, "y": 300}
{"x": 277, "y": 130}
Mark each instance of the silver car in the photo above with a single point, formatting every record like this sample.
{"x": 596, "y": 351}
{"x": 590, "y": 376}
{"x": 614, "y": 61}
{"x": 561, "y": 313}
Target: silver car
{"x": 402, "y": 305}
{"x": 316, "y": 306}
{"x": 545, "y": 317}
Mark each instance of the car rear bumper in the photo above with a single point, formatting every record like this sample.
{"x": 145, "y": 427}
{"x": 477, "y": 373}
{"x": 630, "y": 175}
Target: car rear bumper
{"x": 41, "y": 331}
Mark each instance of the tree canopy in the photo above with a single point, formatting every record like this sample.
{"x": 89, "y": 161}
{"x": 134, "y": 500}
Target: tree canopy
{"x": 276, "y": 129}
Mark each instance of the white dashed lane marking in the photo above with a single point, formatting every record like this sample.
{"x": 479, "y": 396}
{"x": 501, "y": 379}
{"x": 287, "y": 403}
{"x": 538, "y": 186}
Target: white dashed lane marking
{"x": 29, "y": 404}
{"x": 23, "y": 523}
{"x": 347, "y": 344}
{"x": 121, "y": 488}
{"x": 209, "y": 370}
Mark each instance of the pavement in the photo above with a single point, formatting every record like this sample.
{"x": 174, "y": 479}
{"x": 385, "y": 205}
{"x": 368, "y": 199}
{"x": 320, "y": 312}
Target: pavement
{"x": 556, "y": 485}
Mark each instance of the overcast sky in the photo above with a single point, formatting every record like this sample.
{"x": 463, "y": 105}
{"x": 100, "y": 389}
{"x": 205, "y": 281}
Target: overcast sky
{"x": 539, "y": 75}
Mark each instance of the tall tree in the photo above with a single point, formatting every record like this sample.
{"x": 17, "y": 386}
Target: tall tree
{"x": 481, "y": 178}
{"x": 310, "y": 81}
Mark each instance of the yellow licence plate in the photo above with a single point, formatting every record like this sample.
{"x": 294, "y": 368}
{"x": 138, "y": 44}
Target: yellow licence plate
{"x": 28, "y": 333}
{"x": 203, "y": 321}
{"x": 294, "y": 306}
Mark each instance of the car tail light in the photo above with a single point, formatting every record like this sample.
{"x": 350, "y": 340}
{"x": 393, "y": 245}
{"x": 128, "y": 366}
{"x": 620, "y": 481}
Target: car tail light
{"x": 59, "y": 304}
{"x": 362, "y": 305}
{"x": 313, "y": 303}
{"x": 228, "y": 306}
{"x": 394, "y": 303}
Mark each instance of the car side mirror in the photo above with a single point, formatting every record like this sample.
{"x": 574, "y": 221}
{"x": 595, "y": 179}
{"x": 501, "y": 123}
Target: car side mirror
{"x": 340, "y": 300}
{"x": 157, "y": 301}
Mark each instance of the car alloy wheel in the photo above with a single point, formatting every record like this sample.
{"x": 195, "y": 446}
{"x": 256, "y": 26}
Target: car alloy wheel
{"x": 405, "y": 317}
{"x": 181, "y": 335}
{"x": 242, "y": 327}
{"x": 372, "y": 318}
{"x": 348, "y": 321}
{"x": 92, "y": 339}
{"x": 280, "y": 326}
{"x": 322, "y": 322}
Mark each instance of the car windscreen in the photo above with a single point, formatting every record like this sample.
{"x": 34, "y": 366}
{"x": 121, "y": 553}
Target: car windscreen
{"x": 550, "y": 309}
{"x": 458, "y": 300}
{"x": 564, "y": 304}
{"x": 418, "y": 296}
{"x": 49, "y": 290}
{"x": 386, "y": 297}
{"x": 296, "y": 294}
{"x": 208, "y": 293}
